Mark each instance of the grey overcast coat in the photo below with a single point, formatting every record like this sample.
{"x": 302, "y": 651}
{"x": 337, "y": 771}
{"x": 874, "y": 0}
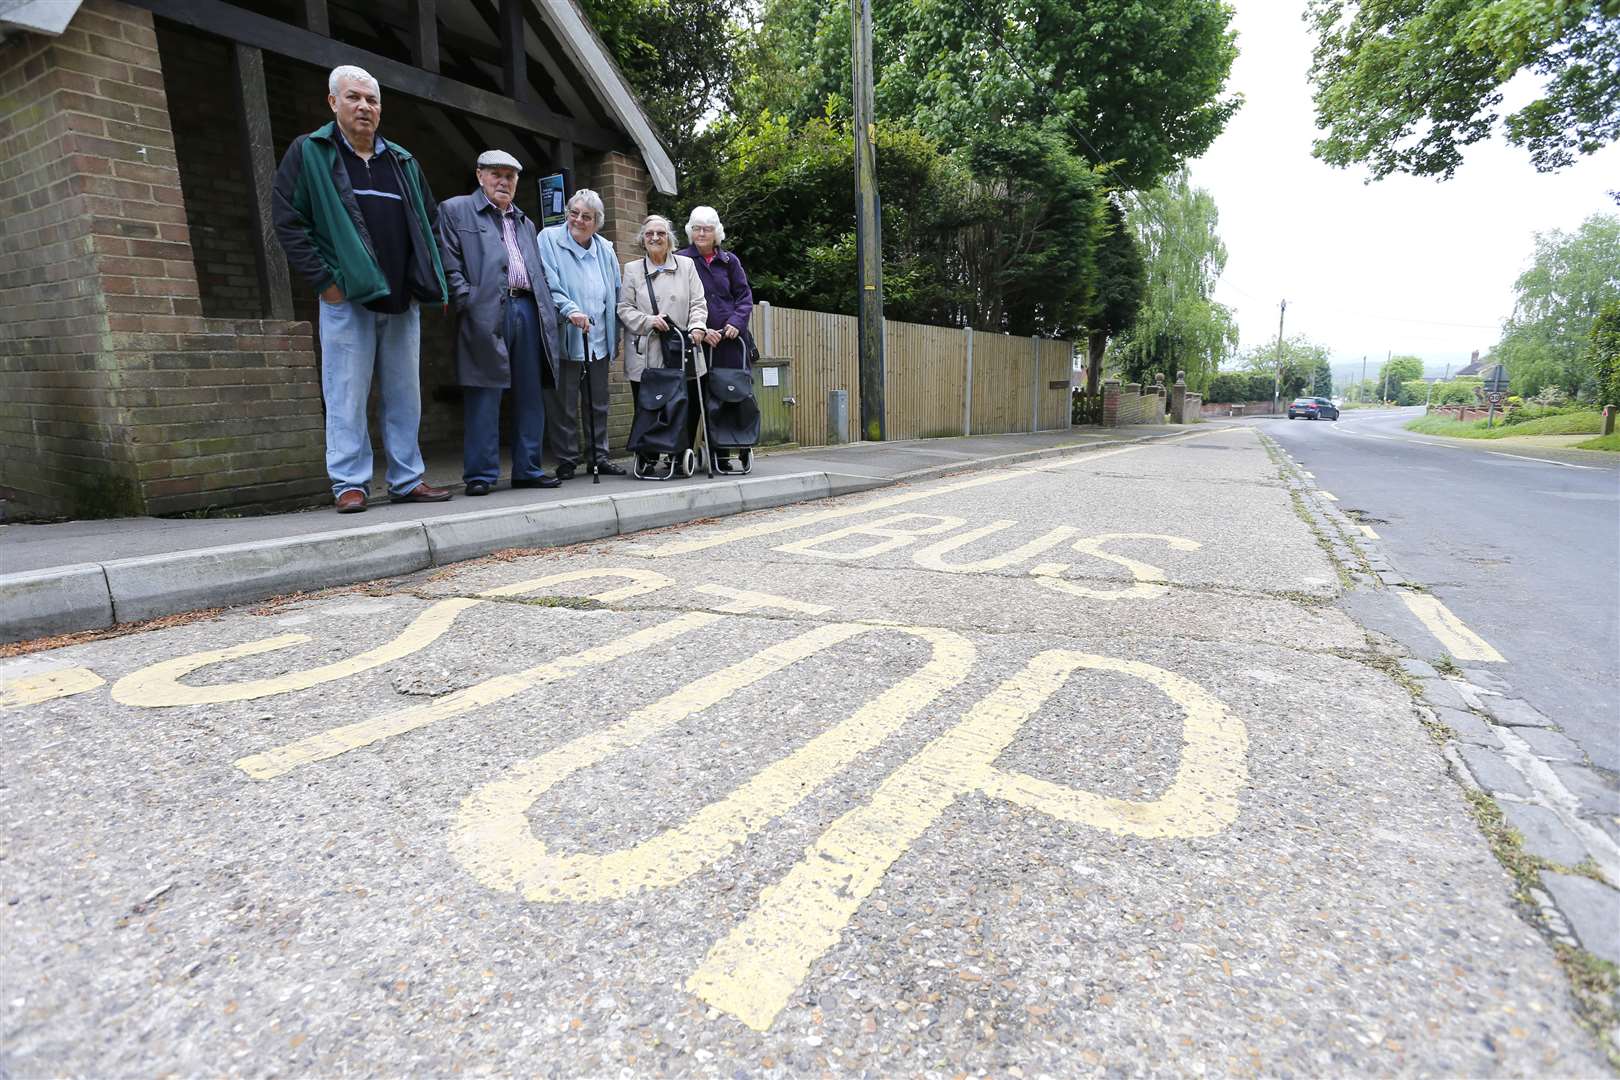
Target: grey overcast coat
{"x": 680, "y": 301}
{"x": 475, "y": 265}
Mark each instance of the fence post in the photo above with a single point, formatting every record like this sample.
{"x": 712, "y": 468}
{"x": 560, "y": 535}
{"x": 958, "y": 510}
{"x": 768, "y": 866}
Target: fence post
{"x": 967, "y": 392}
{"x": 767, "y": 332}
{"x": 1035, "y": 389}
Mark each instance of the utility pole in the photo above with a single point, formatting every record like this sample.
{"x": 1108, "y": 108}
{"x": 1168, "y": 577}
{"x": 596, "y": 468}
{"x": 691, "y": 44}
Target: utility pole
{"x": 1384, "y": 396}
{"x": 1276, "y": 386}
{"x": 868, "y": 226}
{"x": 1361, "y": 387}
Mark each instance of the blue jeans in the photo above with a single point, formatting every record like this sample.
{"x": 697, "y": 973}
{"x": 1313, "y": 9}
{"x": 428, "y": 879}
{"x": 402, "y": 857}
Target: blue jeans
{"x": 481, "y": 405}
{"x": 355, "y": 342}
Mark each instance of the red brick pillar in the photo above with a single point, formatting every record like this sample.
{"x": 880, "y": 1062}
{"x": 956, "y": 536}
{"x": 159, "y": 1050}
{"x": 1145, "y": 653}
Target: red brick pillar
{"x": 1110, "y": 392}
{"x": 624, "y": 185}
{"x": 126, "y": 399}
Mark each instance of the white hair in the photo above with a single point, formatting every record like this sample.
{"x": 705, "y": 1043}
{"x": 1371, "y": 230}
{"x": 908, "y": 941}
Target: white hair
{"x": 655, "y": 219}
{"x": 353, "y": 74}
{"x": 705, "y": 215}
{"x": 592, "y": 201}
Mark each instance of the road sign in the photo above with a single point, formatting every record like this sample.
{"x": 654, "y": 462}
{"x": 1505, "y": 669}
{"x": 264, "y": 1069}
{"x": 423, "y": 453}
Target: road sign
{"x": 1495, "y": 378}
{"x": 1496, "y": 397}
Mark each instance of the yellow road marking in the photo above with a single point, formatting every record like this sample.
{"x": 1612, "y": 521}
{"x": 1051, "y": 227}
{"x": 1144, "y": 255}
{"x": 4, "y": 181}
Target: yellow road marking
{"x": 1150, "y": 579}
{"x": 933, "y": 555}
{"x": 329, "y": 744}
{"x": 753, "y": 972}
{"x": 1367, "y": 531}
{"x": 33, "y": 689}
{"x": 744, "y": 600}
{"x": 159, "y": 686}
{"x": 492, "y": 837}
{"x": 799, "y": 521}
{"x": 889, "y": 535}
{"x": 1459, "y": 642}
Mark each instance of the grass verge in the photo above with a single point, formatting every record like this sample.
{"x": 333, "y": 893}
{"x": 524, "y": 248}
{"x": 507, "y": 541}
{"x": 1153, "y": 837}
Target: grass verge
{"x": 1577, "y": 423}
{"x": 1610, "y": 443}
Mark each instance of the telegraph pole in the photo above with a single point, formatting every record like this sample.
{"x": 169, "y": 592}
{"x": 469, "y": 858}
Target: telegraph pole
{"x": 1276, "y": 387}
{"x": 1361, "y": 388}
{"x": 868, "y": 226}
{"x": 1384, "y": 397}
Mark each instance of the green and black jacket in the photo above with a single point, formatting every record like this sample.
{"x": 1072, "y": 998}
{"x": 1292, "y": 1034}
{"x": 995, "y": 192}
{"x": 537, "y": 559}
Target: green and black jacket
{"x": 319, "y": 224}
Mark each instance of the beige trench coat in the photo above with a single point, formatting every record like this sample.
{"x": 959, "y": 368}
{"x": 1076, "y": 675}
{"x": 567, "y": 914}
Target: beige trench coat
{"x": 680, "y": 300}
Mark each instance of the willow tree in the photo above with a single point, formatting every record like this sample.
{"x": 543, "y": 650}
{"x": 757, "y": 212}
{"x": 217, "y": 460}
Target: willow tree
{"x": 1180, "y": 326}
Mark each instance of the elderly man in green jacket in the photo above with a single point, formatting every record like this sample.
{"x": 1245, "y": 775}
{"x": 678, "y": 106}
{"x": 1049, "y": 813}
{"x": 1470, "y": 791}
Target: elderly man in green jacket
{"x": 356, "y": 218}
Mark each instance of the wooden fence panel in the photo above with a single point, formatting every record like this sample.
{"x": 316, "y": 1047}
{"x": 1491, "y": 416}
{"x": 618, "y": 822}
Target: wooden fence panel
{"x": 824, "y": 351}
{"x": 924, "y": 380}
{"x": 1057, "y": 366}
{"x": 1001, "y": 375}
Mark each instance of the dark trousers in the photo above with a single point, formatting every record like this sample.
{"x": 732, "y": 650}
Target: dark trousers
{"x": 562, "y": 411}
{"x": 481, "y": 405}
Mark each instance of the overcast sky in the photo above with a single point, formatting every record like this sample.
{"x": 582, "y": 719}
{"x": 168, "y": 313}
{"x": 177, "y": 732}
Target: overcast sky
{"x": 1415, "y": 265}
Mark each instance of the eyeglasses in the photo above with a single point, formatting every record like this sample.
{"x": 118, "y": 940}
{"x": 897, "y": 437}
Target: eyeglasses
{"x": 659, "y": 234}
{"x": 582, "y": 215}
{"x": 700, "y": 228}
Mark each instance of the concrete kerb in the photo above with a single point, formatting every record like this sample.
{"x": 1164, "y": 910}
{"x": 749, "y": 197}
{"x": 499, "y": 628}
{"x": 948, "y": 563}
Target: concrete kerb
{"x": 470, "y": 536}
{"x": 155, "y": 585}
{"x": 656, "y": 509}
{"x": 40, "y": 603}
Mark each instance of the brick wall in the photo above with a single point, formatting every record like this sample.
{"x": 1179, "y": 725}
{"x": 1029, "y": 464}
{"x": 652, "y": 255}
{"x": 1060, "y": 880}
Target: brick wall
{"x": 1129, "y": 404}
{"x": 624, "y": 184}
{"x": 122, "y": 397}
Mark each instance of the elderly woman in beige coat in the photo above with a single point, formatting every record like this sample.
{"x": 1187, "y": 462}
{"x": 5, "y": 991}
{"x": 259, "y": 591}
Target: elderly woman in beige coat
{"x": 661, "y": 290}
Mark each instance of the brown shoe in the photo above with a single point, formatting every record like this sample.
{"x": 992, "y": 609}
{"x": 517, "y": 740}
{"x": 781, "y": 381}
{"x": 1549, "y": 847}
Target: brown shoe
{"x": 423, "y": 493}
{"x": 352, "y": 501}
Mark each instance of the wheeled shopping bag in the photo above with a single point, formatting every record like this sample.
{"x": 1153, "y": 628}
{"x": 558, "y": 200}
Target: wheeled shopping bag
{"x": 658, "y": 430}
{"x": 732, "y": 415}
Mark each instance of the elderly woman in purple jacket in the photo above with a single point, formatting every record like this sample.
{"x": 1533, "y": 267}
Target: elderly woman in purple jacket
{"x": 725, "y": 286}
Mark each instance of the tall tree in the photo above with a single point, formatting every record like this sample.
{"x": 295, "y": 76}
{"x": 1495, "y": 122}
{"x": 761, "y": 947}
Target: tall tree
{"x": 1180, "y": 326}
{"x": 679, "y": 55}
{"x": 1398, "y": 370}
{"x": 1404, "y": 85}
{"x": 1573, "y": 275}
{"x": 1132, "y": 85}
{"x": 1299, "y": 367}
{"x": 1121, "y": 281}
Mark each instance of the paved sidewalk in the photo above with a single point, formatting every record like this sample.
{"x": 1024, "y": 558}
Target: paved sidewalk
{"x": 89, "y": 575}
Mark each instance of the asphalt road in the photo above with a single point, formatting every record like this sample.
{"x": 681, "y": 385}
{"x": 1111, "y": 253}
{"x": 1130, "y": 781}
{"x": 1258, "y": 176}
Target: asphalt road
{"x": 1067, "y": 767}
{"x": 1522, "y": 544}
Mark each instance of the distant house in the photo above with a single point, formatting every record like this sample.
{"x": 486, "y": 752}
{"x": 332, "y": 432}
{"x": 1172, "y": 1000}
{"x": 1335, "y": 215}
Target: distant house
{"x": 1475, "y": 365}
{"x": 157, "y": 356}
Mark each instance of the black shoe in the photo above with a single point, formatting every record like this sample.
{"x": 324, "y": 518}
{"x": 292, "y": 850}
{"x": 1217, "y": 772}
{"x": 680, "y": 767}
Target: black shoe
{"x": 607, "y": 468}
{"x": 723, "y": 463}
{"x": 565, "y": 471}
{"x": 478, "y": 487}
{"x": 541, "y": 481}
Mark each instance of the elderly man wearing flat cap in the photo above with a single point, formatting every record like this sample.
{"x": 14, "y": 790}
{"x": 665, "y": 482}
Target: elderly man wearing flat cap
{"x": 506, "y": 324}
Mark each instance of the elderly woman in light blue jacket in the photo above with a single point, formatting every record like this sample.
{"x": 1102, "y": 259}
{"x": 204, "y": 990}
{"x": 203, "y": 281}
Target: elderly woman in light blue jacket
{"x": 583, "y": 273}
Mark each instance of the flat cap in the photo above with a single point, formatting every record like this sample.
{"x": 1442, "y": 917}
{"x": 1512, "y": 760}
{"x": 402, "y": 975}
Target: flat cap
{"x": 491, "y": 159}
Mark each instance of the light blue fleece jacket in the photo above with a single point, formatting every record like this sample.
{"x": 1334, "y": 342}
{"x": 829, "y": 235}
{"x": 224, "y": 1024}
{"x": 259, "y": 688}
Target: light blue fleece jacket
{"x": 580, "y": 278}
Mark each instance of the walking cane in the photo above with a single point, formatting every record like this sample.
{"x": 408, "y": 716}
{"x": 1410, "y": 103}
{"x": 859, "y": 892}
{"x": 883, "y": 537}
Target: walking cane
{"x": 697, "y": 383}
{"x": 590, "y": 409}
